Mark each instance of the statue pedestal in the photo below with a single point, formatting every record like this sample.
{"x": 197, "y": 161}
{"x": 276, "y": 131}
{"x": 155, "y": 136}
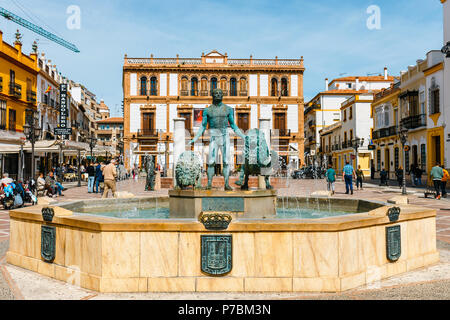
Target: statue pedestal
{"x": 256, "y": 204}
{"x": 261, "y": 183}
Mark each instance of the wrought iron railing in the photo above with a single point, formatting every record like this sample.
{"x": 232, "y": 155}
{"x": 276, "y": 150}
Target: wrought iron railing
{"x": 184, "y": 92}
{"x": 414, "y": 122}
{"x": 243, "y": 93}
{"x": 15, "y": 90}
{"x": 385, "y": 132}
{"x": 194, "y": 93}
{"x": 147, "y": 133}
{"x": 31, "y": 96}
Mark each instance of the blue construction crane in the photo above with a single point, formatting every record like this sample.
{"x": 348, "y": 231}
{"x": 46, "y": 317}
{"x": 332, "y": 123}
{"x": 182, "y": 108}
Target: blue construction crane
{"x": 31, "y": 26}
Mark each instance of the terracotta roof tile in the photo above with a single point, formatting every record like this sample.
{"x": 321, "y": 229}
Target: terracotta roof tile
{"x": 111, "y": 120}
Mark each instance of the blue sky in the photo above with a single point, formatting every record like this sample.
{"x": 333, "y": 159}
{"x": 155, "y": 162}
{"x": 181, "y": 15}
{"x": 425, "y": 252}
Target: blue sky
{"x": 331, "y": 35}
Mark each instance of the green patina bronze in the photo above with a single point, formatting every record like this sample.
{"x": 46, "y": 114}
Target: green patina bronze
{"x": 188, "y": 171}
{"x": 48, "y": 243}
{"x": 393, "y": 243}
{"x": 216, "y": 254}
{"x": 150, "y": 169}
{"x": 258, "y": 159}
{"x": 218, "y": 116}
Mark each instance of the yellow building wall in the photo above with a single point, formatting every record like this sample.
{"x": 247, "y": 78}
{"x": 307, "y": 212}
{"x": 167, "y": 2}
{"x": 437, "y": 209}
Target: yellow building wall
{"x": 19, "y": 65}
{"x": 431, "y": 155}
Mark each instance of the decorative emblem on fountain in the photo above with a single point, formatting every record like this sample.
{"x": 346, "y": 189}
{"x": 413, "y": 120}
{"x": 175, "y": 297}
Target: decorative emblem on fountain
{"x": 393, "y": 243}
{"x": 216, "y": 254}
{"x": 215, "y": 220}
{"x": 393, "y": 214}
{"x": 48, "y": 243}
{"x": 47, "y": 214}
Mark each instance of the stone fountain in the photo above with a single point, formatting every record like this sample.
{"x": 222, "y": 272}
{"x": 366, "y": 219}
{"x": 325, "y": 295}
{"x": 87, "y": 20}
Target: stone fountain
{"x": 214, "y": 240}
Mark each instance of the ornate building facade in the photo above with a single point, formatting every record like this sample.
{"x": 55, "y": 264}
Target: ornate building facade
{"x": 157, "y": 90}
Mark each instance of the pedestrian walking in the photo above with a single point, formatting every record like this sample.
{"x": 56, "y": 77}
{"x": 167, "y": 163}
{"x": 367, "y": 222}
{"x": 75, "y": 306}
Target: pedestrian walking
{"x": 348, "y": 173}
{"x": 399, "y": 174}
{"x": 372, "y": 172}
{"x": 444, "y": 180}
{"x": 98, "y": 176}
{"x": 330, "y": 175}
{"x": 383, "y": 177}
{"x": 110, "y": 174}
{"x": 91, "y": 177}
{"x": 418, "y": 174}
{"x": 412, "y": 172}
{"x": 436, "y": 175}
{"x": 359, "y": 178}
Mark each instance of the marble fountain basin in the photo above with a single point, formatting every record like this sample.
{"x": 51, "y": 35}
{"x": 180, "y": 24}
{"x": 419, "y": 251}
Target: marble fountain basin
{"x": 338, "y": 245}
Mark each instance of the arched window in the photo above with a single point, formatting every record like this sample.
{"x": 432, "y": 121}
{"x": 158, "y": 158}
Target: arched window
{"x": 204, "y": 84}
{"x": 143, "y": 86}
{"x": 243, "y": 86}
{"x": 223, "y": 85}
{"x": 274, "y": 87}
{"x": 184, "y": 86}
{"x": 153, "y": 86}
{"x": 213, "y": 84}
{"x": 233, "y": 87}
{"x": 194, "y": 86}
{"x": 284, "y": 87}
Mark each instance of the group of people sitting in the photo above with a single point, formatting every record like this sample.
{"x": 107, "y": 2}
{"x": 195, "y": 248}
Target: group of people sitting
{"x": 49, "y": 185}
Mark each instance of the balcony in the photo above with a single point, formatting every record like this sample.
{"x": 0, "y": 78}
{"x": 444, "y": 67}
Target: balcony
{"x": 31, "y": 96}
{"x": 414, "y": 122}
{"x": 281, "y": 132}
{"x": 194, "y": 93}
{"x": 1, "y": 84}
{"x": 346, "y": 144}
{"x": 184, "y": 93}
{"x": 15, "y": 90}
{"x": 243, "y": 93}
{"x": 144, "y": 133}
{"x": 153, "y": 92}
{"x": 385, "y": 132}
{"x": 204, "y": 93}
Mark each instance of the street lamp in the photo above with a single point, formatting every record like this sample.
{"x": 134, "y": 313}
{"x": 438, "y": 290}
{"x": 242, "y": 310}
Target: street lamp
{"x": 356, "y": 143}
{"x": 120, "y": 145}
{"x": 92, "y": 142}
{"x": 31, "y": 131}
{"x": 403, "y": 135}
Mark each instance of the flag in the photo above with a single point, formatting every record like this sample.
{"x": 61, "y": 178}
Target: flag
{"x": 48, "y": 89}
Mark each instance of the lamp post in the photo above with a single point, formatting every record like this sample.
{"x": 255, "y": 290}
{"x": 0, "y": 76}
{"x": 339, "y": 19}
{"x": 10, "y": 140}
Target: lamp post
{"x": 356, "y": 143}
{"x": 92, "y": 142}
{"x": 31, "y": 131}
{"x": 403, "y": 135}
{"x": 120, "y": 145}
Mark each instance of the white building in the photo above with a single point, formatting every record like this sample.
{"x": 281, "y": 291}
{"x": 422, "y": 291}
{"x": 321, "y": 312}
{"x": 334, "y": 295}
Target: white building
{"x": 48, "y": 81}
{"x": 341, "y": 138}
{"x": 325, "y": 108}
{"x": 446, "y": 93}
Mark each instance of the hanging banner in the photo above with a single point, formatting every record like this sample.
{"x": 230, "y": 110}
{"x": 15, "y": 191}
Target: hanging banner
{"x": 63, "y": 128}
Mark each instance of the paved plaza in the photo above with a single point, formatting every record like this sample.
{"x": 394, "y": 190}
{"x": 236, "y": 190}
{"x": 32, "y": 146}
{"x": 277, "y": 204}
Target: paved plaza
{"x": 427, "y": 283}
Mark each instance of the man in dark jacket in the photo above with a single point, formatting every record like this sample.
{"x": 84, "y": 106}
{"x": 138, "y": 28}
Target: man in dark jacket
{"x": 98, "y": 175}
{"x": 91, "y": 177}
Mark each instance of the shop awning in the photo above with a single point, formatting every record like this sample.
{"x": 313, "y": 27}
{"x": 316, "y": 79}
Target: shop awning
{"x": 8, "y": 148}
